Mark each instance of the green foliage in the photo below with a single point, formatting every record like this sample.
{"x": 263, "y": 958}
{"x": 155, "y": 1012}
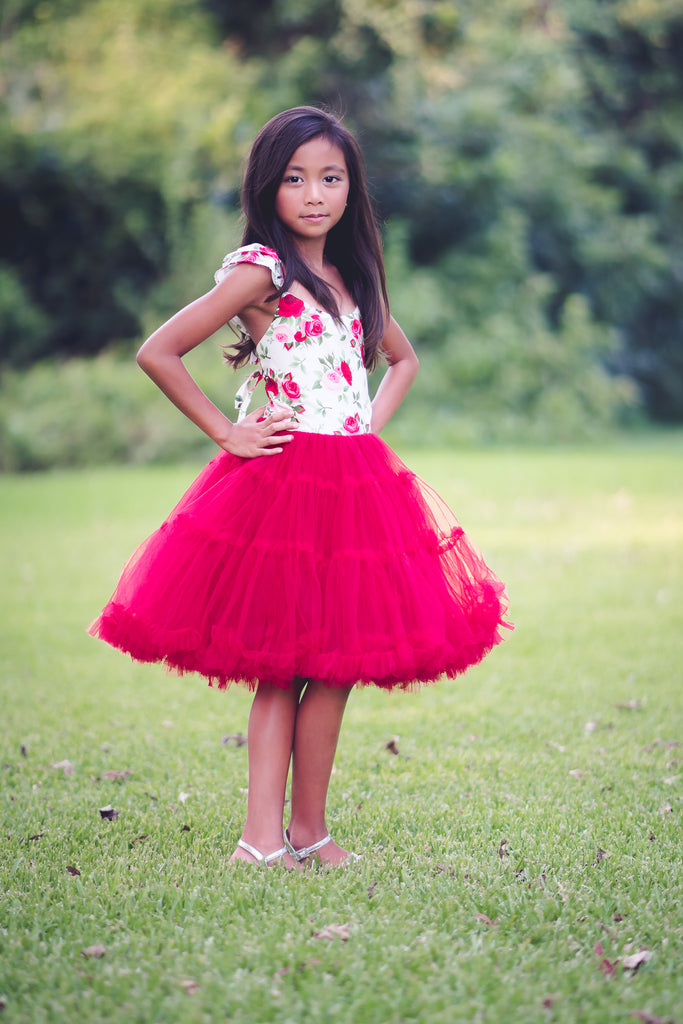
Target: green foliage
{"x": 527, "y": 155}
{"x": 85, "y": 412}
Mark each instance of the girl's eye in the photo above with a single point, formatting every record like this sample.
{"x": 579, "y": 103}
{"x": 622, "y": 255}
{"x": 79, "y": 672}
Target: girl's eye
{"x": 329, "y": 179}
{"x": 292, "y": 179}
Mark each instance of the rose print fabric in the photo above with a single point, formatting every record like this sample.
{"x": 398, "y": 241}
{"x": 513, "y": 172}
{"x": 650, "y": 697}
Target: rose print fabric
{"x": 309, "y": 362}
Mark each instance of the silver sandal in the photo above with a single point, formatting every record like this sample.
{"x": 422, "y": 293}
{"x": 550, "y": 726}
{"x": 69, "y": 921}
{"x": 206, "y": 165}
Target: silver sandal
{"x": 305, "y": 851}
{"x": 262, "y": 858}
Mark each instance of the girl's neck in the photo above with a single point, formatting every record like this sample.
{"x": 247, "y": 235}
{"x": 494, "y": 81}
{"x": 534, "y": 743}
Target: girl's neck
{"x": 312, "y": 252}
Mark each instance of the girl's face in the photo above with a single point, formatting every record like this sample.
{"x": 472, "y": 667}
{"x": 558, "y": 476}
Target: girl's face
{"x": 312, "y": 195}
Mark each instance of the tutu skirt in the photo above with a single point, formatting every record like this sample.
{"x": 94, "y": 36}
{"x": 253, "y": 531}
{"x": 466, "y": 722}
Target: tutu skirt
{"x": 331, "y": 561}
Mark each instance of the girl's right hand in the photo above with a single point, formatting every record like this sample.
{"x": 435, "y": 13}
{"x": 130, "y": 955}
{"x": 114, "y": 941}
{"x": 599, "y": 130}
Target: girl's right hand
{"x": 260, "y": 433}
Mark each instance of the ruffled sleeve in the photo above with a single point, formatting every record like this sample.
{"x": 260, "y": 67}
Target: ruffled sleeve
{"x": 254, "y": 253}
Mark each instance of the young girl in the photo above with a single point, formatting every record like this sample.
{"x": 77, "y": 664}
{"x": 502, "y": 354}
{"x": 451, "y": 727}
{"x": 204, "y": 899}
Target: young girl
{"x": 305, "y": 558}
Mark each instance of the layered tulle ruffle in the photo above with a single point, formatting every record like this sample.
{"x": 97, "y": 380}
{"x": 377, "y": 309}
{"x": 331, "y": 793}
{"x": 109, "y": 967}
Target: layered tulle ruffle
{"x": 330, "y": 561}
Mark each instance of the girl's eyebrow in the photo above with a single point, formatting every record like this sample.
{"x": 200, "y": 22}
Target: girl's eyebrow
{"x": 330, "y": 167}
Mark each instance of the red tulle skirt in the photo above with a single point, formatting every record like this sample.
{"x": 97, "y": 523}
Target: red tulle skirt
{"x": 330, "y": 561}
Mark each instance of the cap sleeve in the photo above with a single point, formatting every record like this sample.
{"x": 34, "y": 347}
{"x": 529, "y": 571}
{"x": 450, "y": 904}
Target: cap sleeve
{"x": 254, "y": 253}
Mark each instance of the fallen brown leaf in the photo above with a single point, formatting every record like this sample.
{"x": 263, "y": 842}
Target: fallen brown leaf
{"x": 550, "y": 999}
{"x": 371, "y": 890}
{"x": 392, "y": 745}
{"x": 634, "y": 960}
{"x": 3, "y": 1003}
{"x": 237, "y": 738}
{"x": 650, "y": 1018}
{"x": 502, "y": 849}
{"x": 72, "y": 870}
{"x": 139, "y": 839}
{"x": 67, "y": 767}
{"x": 108, "y": 813}
{"x": 96, "y": 952}
{"x": 575, "y": 773}
{"x": 485, "y": 919}
{"x": 281, "y": 971}
{"x": 333, "y": 931}
{"x": 114, "y": 773}
{"x": 23, "y": 750}
{"x": 630, "y": 705}
{"x": 38, "y": 835}
{"x": 608, "y": 967}
{"x": 189, "y": 985}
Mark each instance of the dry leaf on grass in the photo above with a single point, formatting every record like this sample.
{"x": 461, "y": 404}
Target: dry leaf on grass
{"x": 96, "y": 952}
{"x": 608, "y": 967}
{"x": 189, "y": 985}
{"x": 38, "y": 835}
{"x": 72, "y": 870}
{"x": 550, "y": 999}
{"x": 666, "y": 809}
{"x": 650, "y": 1018}
{"x": 392, "y": 745}
{"x": 139, "y": 839}
{"x": 575, "y": 773}
{"x": 333, "y": 931}
{"x": 114, "y": 773}
{"x": 67, "y": 767}
{"x": 108, "y": 813}
{"x": 371, "y": 890}
{"x": 634, "y": 960}
{"x": 503, "y": 848}
{"x": 281, "y": 971}
{"x": 485, "y": 919}
{"x": 237, "y": 738}
{"x": 630, "y": 705}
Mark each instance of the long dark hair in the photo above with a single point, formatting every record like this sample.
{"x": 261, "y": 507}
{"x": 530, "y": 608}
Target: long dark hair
{"x": 353, "y": 245}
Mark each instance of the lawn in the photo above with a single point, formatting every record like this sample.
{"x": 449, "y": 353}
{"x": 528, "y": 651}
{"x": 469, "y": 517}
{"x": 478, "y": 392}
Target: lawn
{"x": 521, "y": 835}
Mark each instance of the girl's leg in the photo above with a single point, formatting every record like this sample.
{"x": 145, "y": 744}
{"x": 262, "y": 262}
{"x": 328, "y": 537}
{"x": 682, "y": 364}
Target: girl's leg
{"x": 316, "y": 732}
{"x": 271, "y": 732}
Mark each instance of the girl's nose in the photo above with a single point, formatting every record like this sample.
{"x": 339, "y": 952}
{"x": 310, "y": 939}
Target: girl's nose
{"x": 313, "y": 195}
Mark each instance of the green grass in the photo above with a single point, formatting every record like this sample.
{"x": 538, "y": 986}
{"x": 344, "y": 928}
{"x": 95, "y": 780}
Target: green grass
{"x": 507, "y": 785}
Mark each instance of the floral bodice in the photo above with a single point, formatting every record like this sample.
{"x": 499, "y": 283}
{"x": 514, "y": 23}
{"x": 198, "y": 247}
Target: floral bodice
{"x": 309, "y": 362}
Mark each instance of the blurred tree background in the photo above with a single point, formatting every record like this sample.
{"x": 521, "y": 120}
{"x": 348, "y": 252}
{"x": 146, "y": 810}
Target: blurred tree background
{"x": 525, "y": 157}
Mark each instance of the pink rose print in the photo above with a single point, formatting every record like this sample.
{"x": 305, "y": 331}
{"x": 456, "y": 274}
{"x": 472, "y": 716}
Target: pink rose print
{"x": 290, "y": 387}
{"x": 265, "y": 251}
{"x": 333, "y": 381}
{"x": 314, "y": 326}
{"x": 346, "y": 371}
{"x": 284, "y": 336}
{"x": 248, "y": 257}
{"x": 351, "y": 424}
{"x": 289, "y": 305}
{"x": 272, "y": 390}
{"x": 300, "y": 337}
{"x": 357, "y": 328}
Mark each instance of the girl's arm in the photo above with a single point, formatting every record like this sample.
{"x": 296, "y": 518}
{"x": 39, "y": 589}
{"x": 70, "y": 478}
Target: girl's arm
{"x": 246, "y": 286}
{"x": 403, "y": 367}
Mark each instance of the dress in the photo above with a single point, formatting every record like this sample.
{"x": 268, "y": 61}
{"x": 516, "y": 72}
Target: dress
{"x": 329, "y": 561}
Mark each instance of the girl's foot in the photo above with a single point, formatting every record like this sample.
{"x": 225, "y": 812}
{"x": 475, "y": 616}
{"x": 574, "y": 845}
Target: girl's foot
{"x": 249, "y": 854}
{"x": 324, "y": 850}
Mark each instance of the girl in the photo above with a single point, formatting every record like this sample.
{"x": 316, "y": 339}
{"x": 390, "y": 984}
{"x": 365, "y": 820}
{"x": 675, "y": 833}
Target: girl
{"x": 305, "y": 558}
